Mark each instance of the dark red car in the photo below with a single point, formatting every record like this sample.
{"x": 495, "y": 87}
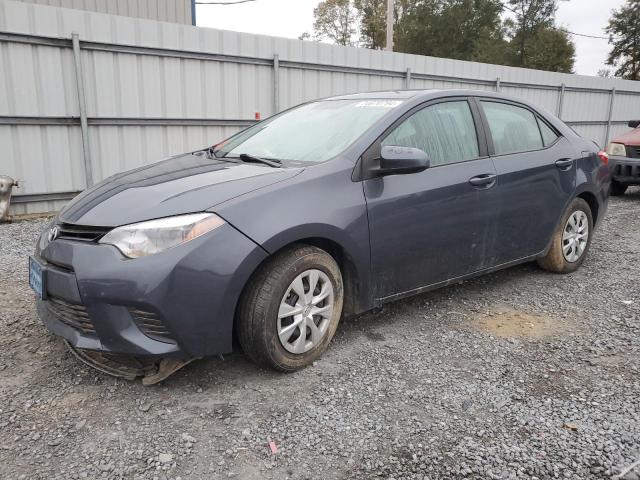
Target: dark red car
{"x": 624, "y": 151}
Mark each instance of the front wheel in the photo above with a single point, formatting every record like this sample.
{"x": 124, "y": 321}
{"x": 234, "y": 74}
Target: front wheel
{"x": 290, "y": 309}
{"x": 571, "y": 239}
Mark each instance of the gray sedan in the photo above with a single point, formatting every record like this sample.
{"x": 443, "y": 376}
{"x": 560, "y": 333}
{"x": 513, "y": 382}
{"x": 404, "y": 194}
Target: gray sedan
{"x": 326, "y": 210}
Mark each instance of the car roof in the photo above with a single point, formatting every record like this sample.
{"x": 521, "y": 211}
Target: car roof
{"x": 411, "y": 98}
{"x": 423, "y": 94}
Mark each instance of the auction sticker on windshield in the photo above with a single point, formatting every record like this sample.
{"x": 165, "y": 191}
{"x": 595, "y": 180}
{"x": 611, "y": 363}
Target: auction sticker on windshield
{"x": 379, "y": 103}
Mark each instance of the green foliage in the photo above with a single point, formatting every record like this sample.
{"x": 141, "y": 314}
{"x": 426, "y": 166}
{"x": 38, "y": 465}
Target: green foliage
{"x": 625, "y": 26}
{"x": 534, "y": 40}
{"x": 373, "y": 23}
{"x": 543, "y": 48}
{"x": 335, "y": 20}
{"x": 469, "y": 30}
{"x": 373, "y": 26}
{"x": 460, "y": 29}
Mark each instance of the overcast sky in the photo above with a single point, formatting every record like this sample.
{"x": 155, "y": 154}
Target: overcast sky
{"x": 290, "y": 18}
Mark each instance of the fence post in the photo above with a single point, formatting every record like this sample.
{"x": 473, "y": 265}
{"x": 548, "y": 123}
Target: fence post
{"x": 560, "y": 101}
{"x": 497, "y": 84}
{"x": 612, "y": 98}
{"x": 276, "y": 83}
{"x": 82, "y": 107}
{"x": 407, "y": 79}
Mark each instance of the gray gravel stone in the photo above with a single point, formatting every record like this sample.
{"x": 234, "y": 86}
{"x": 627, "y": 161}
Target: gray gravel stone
{"x": 519, "y": 374}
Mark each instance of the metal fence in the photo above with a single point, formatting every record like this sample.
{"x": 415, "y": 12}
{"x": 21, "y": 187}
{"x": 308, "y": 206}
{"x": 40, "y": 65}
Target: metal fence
{"x": 84, "y": 95}
{"x": 178, "y": 11}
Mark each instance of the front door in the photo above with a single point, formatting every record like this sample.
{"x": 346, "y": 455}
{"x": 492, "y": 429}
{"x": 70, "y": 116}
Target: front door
{"x": 435, "y": 225}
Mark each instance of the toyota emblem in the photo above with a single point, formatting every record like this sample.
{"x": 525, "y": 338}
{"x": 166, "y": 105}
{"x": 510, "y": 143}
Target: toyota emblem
{"x": 53, "y": 233}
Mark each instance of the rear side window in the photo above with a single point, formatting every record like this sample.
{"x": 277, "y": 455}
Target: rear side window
{"x": 513, "y": 129}
{"x": 548, "y": 135}
{"x": 445, "y": 131}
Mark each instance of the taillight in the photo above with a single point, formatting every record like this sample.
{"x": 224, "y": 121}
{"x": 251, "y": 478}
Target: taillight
{"x": 604, "y": 157}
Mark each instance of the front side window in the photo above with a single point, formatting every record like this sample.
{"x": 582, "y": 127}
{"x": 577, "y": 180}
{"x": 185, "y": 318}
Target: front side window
{"x": 445, "y": 131}
{"x": 513, "y": 129}
{"x": 314, "y": 132}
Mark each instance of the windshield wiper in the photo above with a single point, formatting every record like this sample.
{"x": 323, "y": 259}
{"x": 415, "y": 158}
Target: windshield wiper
{"x": 212, "y": 155}
{"x": 273, "y": 162}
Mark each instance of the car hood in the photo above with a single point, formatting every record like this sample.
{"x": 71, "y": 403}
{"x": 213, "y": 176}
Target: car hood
{"x": 182, "y": 184}
{"x": 632, "y": 137}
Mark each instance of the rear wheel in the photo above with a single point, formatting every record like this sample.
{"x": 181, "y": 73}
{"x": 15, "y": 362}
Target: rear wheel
{"x": 290, "y": 310}
{"x": 571, "y": 239}
{"x": 617, "y": 189}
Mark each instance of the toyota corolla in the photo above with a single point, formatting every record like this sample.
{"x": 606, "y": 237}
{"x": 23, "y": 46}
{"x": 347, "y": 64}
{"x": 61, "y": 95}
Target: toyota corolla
{"x": 326, "y": 210}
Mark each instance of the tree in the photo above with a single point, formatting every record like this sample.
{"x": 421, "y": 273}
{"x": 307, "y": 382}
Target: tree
{"x": 460, "y": 29}
{"x": 549, "y": 48}
{"x": 534, "y": 40}
{"x": 604, "y": 73}
{"x": 624, "y": 35}
{"x": 373, "y": 21}
{"x": 336, "y": 20}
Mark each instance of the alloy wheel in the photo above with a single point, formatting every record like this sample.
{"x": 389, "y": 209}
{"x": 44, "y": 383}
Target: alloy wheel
{"x": 575, "y": 236}
{"x": 305, "y": 311}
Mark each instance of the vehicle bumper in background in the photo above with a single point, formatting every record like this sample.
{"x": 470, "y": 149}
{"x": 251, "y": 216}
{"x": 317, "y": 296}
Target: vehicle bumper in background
{"x": 179, "y": 302}
{"x": 625, "y": 170}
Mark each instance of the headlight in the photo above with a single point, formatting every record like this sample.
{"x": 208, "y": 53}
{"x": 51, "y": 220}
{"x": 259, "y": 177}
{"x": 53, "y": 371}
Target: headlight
{"x": 146, "y": 238}
{"x": 617, "y": 149}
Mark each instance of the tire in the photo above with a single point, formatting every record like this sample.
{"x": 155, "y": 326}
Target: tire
{"x": 617, "y": 189}
{"x": 271, "y": 286}
{"x": 556, "y": 260}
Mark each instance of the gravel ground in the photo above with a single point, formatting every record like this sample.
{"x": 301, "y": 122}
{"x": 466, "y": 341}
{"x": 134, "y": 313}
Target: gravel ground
{"x": 519, "y": 374}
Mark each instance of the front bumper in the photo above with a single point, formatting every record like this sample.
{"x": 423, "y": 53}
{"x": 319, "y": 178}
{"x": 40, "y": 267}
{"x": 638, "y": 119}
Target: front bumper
{"x": 180, "y": 302}
{"x": 625, "y": 170}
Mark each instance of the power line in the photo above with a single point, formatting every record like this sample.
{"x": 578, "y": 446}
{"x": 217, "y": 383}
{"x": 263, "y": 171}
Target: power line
{"x": 224, "y": 3}
{"x": 564, "y": 30}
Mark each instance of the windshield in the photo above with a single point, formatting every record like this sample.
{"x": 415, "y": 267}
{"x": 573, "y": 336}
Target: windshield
{"x": 314, "y": 132}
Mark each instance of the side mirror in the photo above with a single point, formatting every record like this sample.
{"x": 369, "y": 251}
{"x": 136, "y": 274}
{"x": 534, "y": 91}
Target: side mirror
{"x": 634, "y": 123}
{"x": 395, "y": 160}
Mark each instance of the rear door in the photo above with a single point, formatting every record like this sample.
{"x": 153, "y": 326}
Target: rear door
{"x": 429, "y": 227}
{"x": 536, "y": 170}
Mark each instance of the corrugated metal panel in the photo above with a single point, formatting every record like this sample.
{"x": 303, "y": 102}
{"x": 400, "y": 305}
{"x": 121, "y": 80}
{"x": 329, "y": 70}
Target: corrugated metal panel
{"x": 626, "y": 107}
{"x": 590, "y": 106}
{"x": 213, "y": 76}
{"x": 123, "y": 148}
{"x": 618, "y": 129}
{"x": 176, "y": 11}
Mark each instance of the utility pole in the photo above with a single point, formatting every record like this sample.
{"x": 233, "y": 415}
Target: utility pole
{"x": 389, "y": 45}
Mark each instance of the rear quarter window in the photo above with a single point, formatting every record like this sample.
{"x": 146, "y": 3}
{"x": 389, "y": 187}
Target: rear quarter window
{"x": 548, "y": 134}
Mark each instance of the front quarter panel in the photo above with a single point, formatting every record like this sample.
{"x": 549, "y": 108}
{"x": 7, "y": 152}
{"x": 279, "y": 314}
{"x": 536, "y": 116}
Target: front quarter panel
{"x": 320, "y": 203}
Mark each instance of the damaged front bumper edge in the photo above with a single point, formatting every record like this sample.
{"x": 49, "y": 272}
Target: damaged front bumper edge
{"x": 151, "y": 370}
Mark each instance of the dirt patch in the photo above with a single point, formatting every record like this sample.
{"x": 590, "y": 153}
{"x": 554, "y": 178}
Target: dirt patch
{"x": 507, "y": 322}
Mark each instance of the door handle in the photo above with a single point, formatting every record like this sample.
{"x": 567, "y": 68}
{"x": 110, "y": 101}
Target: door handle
{"x": 564, "y": 163}
{"x": 485, "y": 180}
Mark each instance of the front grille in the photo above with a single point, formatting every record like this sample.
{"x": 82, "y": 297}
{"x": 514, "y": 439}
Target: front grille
{"x": 627, "y": 171}
{"x": 83, "y": 233}
{"x": 151, "y": 325}
{"x": 633, "y": 151}
{"x": 75, "y": 316}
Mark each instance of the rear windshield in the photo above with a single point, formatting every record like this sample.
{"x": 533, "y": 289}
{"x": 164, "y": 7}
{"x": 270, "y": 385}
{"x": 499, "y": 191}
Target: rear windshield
{"x": 314, "y": 132}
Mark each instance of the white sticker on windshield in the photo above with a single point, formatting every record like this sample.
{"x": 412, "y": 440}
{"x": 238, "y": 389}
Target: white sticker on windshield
{"x": 379, "y": 103}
